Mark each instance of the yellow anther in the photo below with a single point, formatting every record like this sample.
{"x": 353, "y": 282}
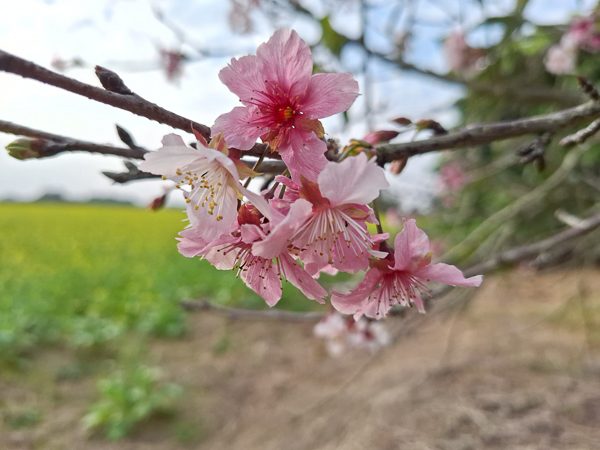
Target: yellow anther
{"x": 164, "y": 177}
{"x": 196, "y": 207}
{"x": 188, "y": 200}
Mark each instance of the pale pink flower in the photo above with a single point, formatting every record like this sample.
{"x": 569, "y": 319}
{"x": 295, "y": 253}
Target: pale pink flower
{"x": 584, "y": 31}
{"x": 340, "y": 333}
{"x": 209, "y": 178}
{"x": 328, "y": 224}
{"x": 401, "y": 278}
{"x": 561, "y": 59}
{"x": 263, "y": 275}
{"x": 462, "y": 58}
{"x": 282, "y": 102}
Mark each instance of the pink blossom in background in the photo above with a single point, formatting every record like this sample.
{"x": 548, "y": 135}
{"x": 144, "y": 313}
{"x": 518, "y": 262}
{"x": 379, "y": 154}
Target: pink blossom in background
{"x": 283, "y": 102}
{"x": 341, "y": 333}
{"x": 462, "y": 58}
{"x": 172, "y": 64}
{"x": 584, "y": 31}
{"x": 400, "y": 278}
{"x": 561, "y": 59}
{"x": 451, "y": 179}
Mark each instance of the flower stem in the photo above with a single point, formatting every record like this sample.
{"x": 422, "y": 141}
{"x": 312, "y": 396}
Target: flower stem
{"x": 255, "y": 168}
{"x": 376, "y": 212}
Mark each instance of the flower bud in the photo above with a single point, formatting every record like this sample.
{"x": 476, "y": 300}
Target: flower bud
{"x": 379, "y": 137}
{"x": 158, "y": 203}
{"x": 26, "y": 148}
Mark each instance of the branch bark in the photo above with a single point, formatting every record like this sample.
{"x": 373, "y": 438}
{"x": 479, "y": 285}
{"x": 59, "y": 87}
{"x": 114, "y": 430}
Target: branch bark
{"x": 57, "y": 144}
{"x": 490, "y": 132}
{"x": 132, "y": 103}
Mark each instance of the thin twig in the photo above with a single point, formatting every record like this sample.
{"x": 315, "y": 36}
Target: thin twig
{"x": 58, "y": 144}
{"x": 260, "y": 314}
{"x": 132, "y": 103}
{"x": 582, "y": 135}
{"x": 490, "y": 132}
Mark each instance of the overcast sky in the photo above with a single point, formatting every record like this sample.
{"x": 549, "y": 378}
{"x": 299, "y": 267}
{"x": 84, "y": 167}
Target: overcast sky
{"x": 124, "y": 35}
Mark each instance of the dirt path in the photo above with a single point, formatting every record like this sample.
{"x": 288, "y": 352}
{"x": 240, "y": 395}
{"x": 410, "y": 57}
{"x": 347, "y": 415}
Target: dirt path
{"x": 513, "y": 369}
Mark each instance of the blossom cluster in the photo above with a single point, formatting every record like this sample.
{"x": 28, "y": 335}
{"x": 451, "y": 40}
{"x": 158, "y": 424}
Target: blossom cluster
{"x": 314, "y": 220}
{"x": 582, "y": 34}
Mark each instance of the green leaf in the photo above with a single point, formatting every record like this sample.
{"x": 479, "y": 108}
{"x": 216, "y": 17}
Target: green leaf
{"x": 331, "y": 38}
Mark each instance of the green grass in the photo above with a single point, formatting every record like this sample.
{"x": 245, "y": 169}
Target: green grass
{"x": 87, "y": 274}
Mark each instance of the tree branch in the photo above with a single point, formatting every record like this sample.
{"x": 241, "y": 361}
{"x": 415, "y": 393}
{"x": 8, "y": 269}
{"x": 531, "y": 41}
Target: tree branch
{"x": 132, "y": 103}
{"x": 502, "y": 259}
{"x": 55, "y": 144}
{"x": 490, "y": 132}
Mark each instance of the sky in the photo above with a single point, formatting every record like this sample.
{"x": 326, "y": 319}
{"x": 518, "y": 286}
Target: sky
{"x": 124, "y": 35}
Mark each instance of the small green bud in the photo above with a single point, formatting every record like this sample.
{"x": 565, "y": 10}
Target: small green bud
{"x": 25, "y": 148}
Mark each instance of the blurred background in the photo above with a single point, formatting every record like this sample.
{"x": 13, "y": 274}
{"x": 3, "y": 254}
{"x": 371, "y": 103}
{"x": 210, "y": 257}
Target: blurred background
{"x": 96, "y": 350}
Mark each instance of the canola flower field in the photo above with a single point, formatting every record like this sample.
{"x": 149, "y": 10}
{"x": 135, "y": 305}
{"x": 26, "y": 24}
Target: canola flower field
{"x": 82, "y": 275}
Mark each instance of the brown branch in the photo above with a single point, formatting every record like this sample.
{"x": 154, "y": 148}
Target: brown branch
{"x": 490, "y": 132}
{"x": 252, "y": 314}
{"x": 52, "y": 144}
{"x": 515, "y": 255}
{"x": 582, "y": 135}
{"x": 503, "y": 259}
{"x": 132, "y": 103}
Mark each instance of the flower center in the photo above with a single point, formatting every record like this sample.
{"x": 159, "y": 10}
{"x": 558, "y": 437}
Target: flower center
{"x": 208, "y": 188}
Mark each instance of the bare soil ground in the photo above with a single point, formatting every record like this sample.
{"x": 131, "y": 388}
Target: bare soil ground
{"x": 516, "y": 367}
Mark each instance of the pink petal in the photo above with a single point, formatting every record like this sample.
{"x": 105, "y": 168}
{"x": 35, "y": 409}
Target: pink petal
{"x": 411, "y": 245}
{"x": 353, "y": 302}
{"x": 328, "y": 94}
{"x": 191, "y": 243}
{"x": 236, "y": 129}
{"x": 267, "y": 284}
{"x": 242, "y": 76}
{"x": 251, "y": 233}
{"x": 285, "y": 60}
{"x": 295, "y": 274}
{"x": 447, "y": 274}
{"x": 354, "y": 180}
{"x": 304, "y": 154}
{"x": 258, "y": 201}
{"x": 278, "y": 239}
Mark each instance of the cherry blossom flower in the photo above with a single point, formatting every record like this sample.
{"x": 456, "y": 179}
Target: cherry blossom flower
{"x": 234, "y": 252}
{"x": 341, "y": 333}
{"x": 212, "y": 180}
{"x": 584, "y": 32}
{"x": 328, "y": 224}
{"x": 282, "y": 102}
{"x": 400, "y": 278}
{"x": 561, "y": 59}
{"x": 462, "y": 58}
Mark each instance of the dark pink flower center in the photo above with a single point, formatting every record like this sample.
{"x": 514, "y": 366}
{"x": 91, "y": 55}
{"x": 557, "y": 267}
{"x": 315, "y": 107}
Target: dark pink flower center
{"x": 275, "y": 108}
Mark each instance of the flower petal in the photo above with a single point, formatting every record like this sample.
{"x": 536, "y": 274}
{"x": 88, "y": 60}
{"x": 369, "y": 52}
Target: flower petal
{"x": 354, "y": 180}
{"x": 168, "y": 159}
{"x": 304, "y": 154}
{"x": 278, "y": 239}
{"x": 265, "y": 283}
{"x": 354, "y": 301}
{"x": 411, "y": 245}
{"x": 208, "y": 226}
{"x": 236, "y": 129}
{"x": 295, "y": 274}
{"x": 285, "y": 60}
{"x": 328, "y": 94}
{"x": 447, "y": 274}
{"x": 242, "y": 76}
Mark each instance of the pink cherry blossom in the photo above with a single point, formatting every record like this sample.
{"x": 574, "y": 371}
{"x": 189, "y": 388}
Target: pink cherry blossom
{"x": 282, "y": 102}
{"x": 561, "y": 59}
{"x": 401, "y": 278}
{"x": 209, "y": 178}
{"x": 263, "y": 275}
{"x": 328, "y": 224}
